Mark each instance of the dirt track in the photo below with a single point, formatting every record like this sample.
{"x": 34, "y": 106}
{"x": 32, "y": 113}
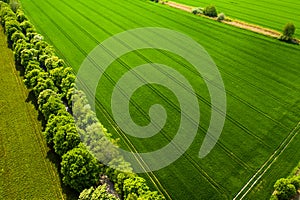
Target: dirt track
{"x": 236, "y": 23}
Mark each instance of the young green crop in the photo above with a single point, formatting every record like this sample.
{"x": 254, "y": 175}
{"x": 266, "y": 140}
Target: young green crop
{"x": 262, "y": 89}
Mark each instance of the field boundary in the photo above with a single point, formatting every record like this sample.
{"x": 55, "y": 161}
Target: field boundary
{"x": 30, "y": 120}
{"x": 232, "y": 22}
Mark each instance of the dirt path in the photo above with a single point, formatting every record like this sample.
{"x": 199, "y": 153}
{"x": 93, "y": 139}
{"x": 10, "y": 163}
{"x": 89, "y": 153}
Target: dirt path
{"x": 254, "y": 28}
{"x": 179, "y": 6}
{"x": 237, "y": 23}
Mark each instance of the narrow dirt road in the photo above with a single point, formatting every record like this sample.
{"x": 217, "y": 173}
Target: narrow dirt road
{"x": 237, "y": 23}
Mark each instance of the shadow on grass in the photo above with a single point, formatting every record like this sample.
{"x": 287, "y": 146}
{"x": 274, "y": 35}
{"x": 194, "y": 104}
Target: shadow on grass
{"x": 32, "y": 99}
{"x": 67, "y": 191}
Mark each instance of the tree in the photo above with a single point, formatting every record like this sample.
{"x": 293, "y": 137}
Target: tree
{"x": 31, "y": 77}
{"x": 284, "y": 189}
{"x": 210, "y": 11}
{"x": 136, "y": 185}
{"x": 21, "y": 16}
{"x": 295, "y": 181}
{"x": 53, "y": 62}
{"x": 65, "y": 139}
{"x": 79, "y": 168}
{"x": 94, "y": 194}
{"x": 26, "y": 25}
{"x": 288, "y": 32}
{"x": 28, "y": 55}
{"x": 43, "y": 84}
{"x": 17, "y": 36}
{"x": 54, "y": 123}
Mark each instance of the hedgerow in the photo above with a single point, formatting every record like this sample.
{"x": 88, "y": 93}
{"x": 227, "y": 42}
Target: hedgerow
{"x": 52, "y": 83}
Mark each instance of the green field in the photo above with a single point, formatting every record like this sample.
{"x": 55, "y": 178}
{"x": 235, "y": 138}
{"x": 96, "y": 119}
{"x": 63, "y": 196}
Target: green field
{"x": 27, "y": 167}
{"x": 261, "y": 76}
{"x": 272, "y": 14}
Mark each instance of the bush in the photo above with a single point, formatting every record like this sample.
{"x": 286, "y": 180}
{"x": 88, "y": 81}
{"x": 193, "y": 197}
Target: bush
{"x": 197, "y": 11}
{"x": 288, "y": 32}
{"x": 210, "y": 11}
{"x": 221, "y": 17}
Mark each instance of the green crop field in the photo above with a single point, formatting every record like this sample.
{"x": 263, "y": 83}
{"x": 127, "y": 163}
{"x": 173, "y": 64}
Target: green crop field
{"x": 272, "y": 14}
{"x": 27, "y": 167}
{"x": 261, "y": 76}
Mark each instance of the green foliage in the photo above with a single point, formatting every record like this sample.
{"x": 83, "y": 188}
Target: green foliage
{"x": 53, "y": 62}
{"x": 79, "y": 168}
{"x": 26, "y": 25}
{"x": 288, "y": 32}
{"x": 210, "y": 11}
{"x": 295, "y": 181}
{"x": 135, "y": 185}
{"x": 10, "y": 28}
{"x": 54, "y": 123}
{"x": 21, "y": 16}
{"x": 32, "y": 65}
{"x": 14, "y": 5}
{"x": 18, "y": 35}
{"x": 51, "y": 104}
{"x": 65, "y": 139}
{"x": 31, "y": 77}
{"x": 197, "y": 11}
{"x": 43, "y": 84}
{"x": 284, "y": 189}
{"x": 94, "y": 194}
{"x": 221, "y": 17}
{"x": 28, "y": 55}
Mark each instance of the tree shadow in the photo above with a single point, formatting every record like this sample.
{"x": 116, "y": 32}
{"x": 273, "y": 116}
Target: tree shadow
{"x": 32, "y": 99}
{"x": 20, "y": 69}
{"x": 70, "y": 193}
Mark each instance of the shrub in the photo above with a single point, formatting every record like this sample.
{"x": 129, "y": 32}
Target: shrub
{"x": 288, "y": 32}
{"x": 210, "y": 11}
{"x": 197, "y": 11}
{"x": 221, "y": 17}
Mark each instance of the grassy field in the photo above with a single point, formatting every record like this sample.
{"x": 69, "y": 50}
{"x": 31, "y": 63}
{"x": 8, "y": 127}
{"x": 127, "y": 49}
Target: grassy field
{"x": 262, "y": 91}
{"x": 272, "y": 14}
{"x": 27, "y": 167}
